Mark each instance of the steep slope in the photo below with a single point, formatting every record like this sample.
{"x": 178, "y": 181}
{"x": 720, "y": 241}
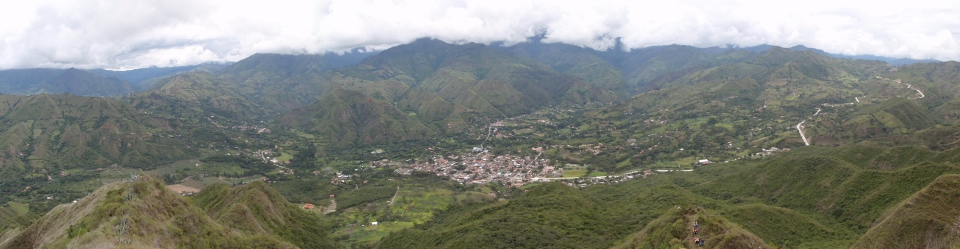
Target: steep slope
{"x": 778, "y": 78}
{"x": 585, "y": 63}
{"x": 196, "y": 94}
{"x": 137, "y": 214}
{"x": 346, "y": 118}
{"x": 676, "y": 229}
{"x": 256, "y": 208}
{"x": 13, "y": 215}
{"x": 896, "y": 116}
{"x": 940, "y": 82}
{"x": 65, "y": 131}
{"x": 473, "y": 76}
{"x": 765, "y": 101}
{"x": 632, "y": 71}
{"x": 787, "y": 228}
{"x": 279, "y": 83}
{"x": 262, "y": 85}
{"x": 823, "y": 180}
{"x": 928, "y": 219}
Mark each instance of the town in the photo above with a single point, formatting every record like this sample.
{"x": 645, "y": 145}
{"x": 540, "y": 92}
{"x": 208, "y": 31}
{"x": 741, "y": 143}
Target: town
{"x": 480, "y": 168}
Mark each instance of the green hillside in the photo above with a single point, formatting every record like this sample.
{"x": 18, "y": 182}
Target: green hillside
{"x": 577, "y": 61}
{"x": 65, "y": 131}
{"x": 13, "y": 215}
{"x": 473, "y": 76}
{"x": 928, "y": 219}
{"x": 825, "y": 184}
{"x": 196, "y": 94}
{"x": 806, "y": 198}
{"x": 675, "y": 229}
{"x": 551, "y": 215}
{"x": 346, "y": 118}
{"x": 279, "y": 83}
{"x": 256, "y": 208}
{"x": 439, "y": 145}
{"x": 138, "y": 214}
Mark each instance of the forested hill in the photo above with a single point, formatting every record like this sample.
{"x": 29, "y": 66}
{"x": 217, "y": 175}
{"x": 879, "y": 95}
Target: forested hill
{"x": 471, "y": 76}
{"x": 67, "y": 132}
{"x": 439, "y": 88}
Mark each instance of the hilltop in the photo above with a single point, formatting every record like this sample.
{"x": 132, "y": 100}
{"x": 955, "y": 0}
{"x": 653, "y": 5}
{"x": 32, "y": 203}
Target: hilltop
{"x": 257, "y": 208}
{"x": 143, "y": 214}
{"x": 136, "y": 214}
{"x": 684, "y": 227}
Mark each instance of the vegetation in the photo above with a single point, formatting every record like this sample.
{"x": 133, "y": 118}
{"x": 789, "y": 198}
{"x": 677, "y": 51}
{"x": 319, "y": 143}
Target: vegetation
{"x": 142, "y": 213}
{"x": 926, "y": 219}
{"x": 337, "y": 132}
{"x": 256, "y": 209}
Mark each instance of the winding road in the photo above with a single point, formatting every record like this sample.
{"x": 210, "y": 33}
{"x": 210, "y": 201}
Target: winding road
{"x": 908, "y": 86}
{"x": 800, "y": 125}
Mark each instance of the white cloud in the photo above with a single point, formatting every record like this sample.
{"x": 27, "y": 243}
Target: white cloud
{"x": 131, "y": 34}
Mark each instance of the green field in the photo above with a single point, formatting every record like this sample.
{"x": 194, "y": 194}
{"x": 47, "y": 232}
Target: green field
{"x": 284, "y": 157}
{"x": 595, "y": 174}
{"x": 574, "y": 173}
{"x": 173, "y": 167}
{"x": 19, "y": 208}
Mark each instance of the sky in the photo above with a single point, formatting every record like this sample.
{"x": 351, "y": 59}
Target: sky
{"x": 143, "y": 33}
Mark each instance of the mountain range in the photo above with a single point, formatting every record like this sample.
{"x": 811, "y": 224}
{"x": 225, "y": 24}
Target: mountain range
{"x": 862, "y": 153}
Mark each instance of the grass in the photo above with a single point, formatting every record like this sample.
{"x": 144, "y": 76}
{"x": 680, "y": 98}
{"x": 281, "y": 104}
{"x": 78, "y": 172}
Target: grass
{"x": 284, "y": 157}
{"x": 212, "y": 180}
{"x": 173, "y": 167}
{"x": 243, "y": 179}
{"x": 595, "y": 174}
{"x": 932, "y": 213}
{"x": 111, "y": 175}
{"x": 193, "y": 183}
{"x": 19, "y": 208}
{"x": 574, "y": 173}
{"x": 370, "y": 234}
{"x": 415, "y": 204}
{"x": 304, "y": 135}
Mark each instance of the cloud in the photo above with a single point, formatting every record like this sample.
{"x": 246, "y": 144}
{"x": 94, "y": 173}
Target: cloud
{"x": 133, "y": 34}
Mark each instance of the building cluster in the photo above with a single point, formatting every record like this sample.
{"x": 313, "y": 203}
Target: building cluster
{"x": 767, "y": 152}
{"x": 253, "y": 128}
{"x": 480, "y": 168}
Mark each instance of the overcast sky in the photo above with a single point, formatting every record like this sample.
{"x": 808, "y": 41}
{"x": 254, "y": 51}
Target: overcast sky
{"x": 132, "y": 34}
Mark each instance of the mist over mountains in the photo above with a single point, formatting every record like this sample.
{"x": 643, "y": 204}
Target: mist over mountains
{"x": 437, "y": 145}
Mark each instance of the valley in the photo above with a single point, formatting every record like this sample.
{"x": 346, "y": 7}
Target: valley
{"x": 438, "y": 145}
